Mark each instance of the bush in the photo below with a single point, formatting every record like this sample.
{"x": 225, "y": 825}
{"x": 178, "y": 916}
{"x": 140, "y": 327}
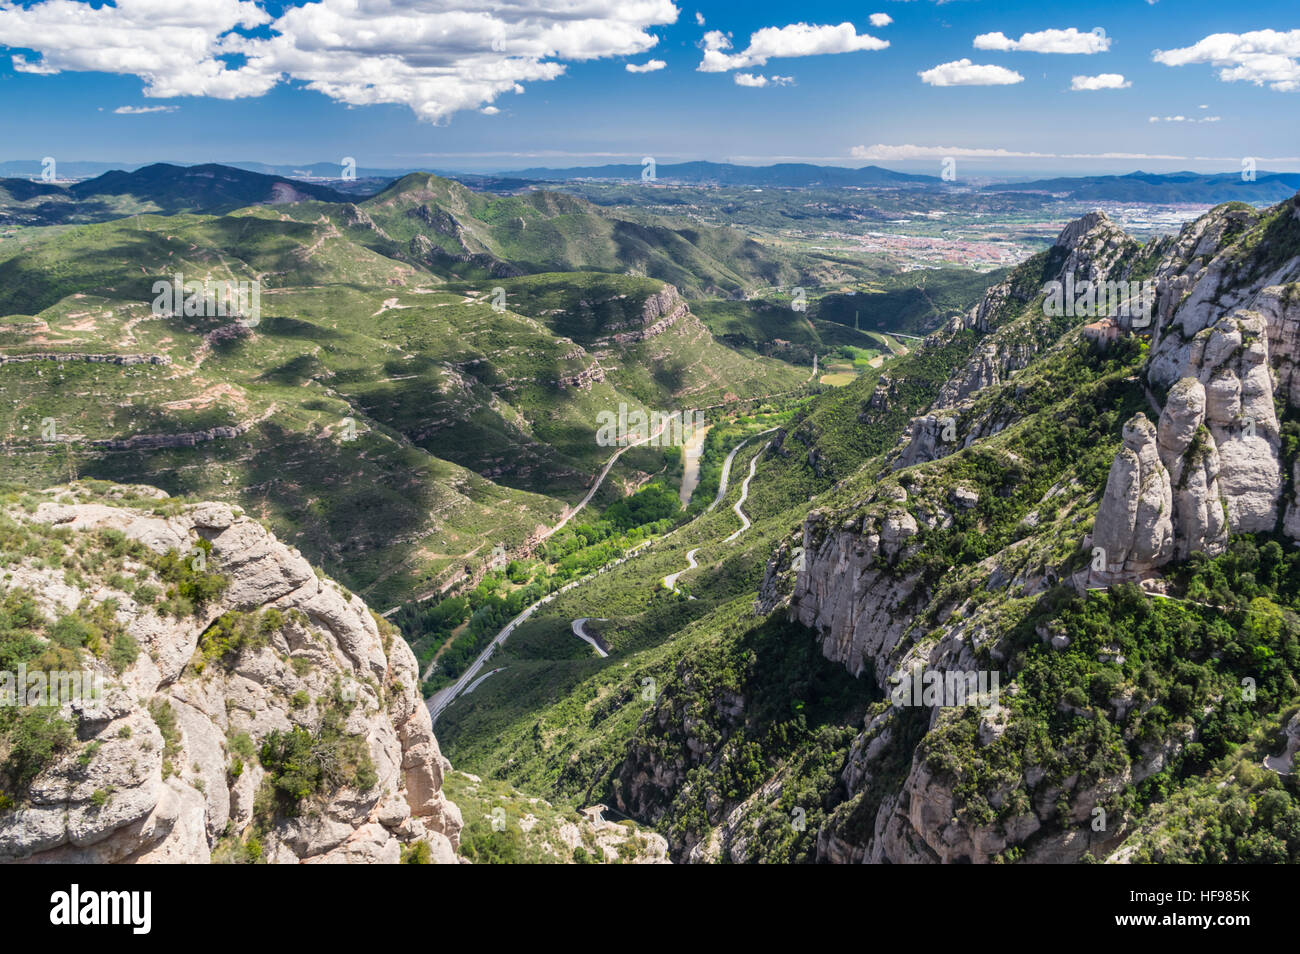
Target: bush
{"x": 124, "y": 651}
{"x": 301, "y": 764}
{"x": 33, "y": 737}
{"x": 418, "y": 853}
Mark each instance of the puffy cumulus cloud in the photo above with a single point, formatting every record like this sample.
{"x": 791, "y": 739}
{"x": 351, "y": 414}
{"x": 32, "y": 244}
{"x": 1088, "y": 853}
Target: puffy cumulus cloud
{"x": 880, "y": 19}
{"x": 649, "y": 66}
{"x": 965, "y": 73}
{"x": 175, "y": 49}
{"x": 716, "y": 40}
{"x": 699, "y": 18}
{"x": 1100, "y": 81}
{"x": 1047, "y": 41}
{"x": 1263, "y": 57}
{"x": 797, "y": 39}
{"x": 758, "y": 82}
{"x": 434, "y": 56}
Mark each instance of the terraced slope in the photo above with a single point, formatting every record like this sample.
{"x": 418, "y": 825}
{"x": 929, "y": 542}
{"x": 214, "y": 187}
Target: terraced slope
{"x": 392, "y": 423}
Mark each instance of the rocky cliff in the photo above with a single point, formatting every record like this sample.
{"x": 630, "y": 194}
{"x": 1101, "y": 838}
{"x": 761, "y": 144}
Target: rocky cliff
{"x": 251, "y": 708}
{"x": 918, "y": 573}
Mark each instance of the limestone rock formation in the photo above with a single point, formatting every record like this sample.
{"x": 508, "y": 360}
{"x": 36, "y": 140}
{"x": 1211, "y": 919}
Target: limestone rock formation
{"x": 1230, "y": 359}
{"x": 1189, "y": 453}
{"x": 155, "y": 774}
{"x": 1134, "y": 527}
{"x": 860, "y": 624}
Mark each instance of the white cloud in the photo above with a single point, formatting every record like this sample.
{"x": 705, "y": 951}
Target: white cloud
{"x": 141, "y": 110}
{"x": 1262, "y": 57}
{"x": 649, "y": 66}
{"x": 880, "y": 19}
{"x": 39, "y": 67}
{"x": 965, "y": 73}
{"x": 1047, "y": 41}
{"x": 749, "y": 79}
{"x": 489, "y": 110}
{"x": 699, "y": 18}
{"x": 428, "y": 55}
{"x": 1100, "y": 81}
{"x": 1183, "y": 119}
{"x": 797, "y": 39}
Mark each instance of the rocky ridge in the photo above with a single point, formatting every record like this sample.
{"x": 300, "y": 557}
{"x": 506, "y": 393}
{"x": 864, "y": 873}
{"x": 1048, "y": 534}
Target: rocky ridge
{"x": 154, "y": 774}
{"x": 1223, "y": 353}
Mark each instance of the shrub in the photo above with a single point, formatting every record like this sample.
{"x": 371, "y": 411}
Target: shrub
{"x": 33, "y": 737}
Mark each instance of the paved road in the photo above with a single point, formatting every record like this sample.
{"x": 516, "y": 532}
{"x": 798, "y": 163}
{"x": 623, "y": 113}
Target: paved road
{"x": 744, "y": 494}
{"x": 726, "y": 467}
{"x": 670, "y": 581}
{"x": 580, "y": 630}
{"x": 475, "y": 684}
{"x": 609, "y": 465}
{"x": 444, "y": 697}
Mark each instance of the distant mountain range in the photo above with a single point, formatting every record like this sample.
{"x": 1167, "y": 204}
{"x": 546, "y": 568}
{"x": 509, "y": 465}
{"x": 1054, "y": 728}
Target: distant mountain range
{"x": 217, "y": 188}
{"x": 160, "y": 187}
{"x": 790, "y": 175}
{"x": 1166, "y": 187}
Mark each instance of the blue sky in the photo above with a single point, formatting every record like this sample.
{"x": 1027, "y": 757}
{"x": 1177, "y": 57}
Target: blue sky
{"x": 432, "y": 83}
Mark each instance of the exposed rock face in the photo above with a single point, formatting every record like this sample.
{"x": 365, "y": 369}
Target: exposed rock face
{"x": 1231, "y": 360}
{"x": 845, "y": 596}
{"x": 1093, "y": 245}
{"x": 1203, "y": 277}
{"x": 1135, "y": 520}
{"x": 659, "y": 312}
{"x": 1279, "y": 305}
{"x": 1188, "y": 451}
{"x": 1217, "y": 449}
{"x": 63, "y": 356}
{"x": 1227, "y": 319}
{"x": 924, "y": 440}
{"x": 132, "y": 792}
{"x": 1092, "y": 248}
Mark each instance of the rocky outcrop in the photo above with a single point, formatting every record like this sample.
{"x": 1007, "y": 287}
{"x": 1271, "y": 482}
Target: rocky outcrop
{"x": 64, "y": 356}
{"x": 1226, "y": 340}
{"x": 1230, "y": 359}
{"x": 423, "y": 250}
{"x": 1279, "y": 306}
{"x": 157, "y": 774}
{"x": 1205, "y": 276}
{"x": 1089, "y": 249}
{"x": 1134, "y": 527}
{"x": 1189, "y": 453}
{"x": 659, "y": 312}
{"x": 849, "y": 592}
{"x": 583, "y": 380}
{"x": 163, "y": 441}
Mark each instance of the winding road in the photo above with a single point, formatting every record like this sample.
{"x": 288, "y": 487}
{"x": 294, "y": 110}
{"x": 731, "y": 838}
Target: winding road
{"x": 440, "y": 700}
{"x": 580, "y": 630}
{"x": 609, "y": 465}
{"x": 744, "y": 494}
{"x": 670, "y": 581}
{"x": 475, "y": 684}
